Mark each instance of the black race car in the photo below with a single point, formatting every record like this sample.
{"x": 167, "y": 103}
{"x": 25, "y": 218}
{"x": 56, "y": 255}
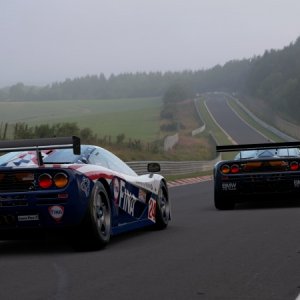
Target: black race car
{"x": 258, "y": 171}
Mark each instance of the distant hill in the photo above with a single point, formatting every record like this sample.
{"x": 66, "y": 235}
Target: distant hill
{"x": 273, "y": 77}
{"x": 228, "y": 77}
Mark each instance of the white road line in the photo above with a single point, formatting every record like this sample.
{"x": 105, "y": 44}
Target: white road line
{"x": 216, "y": 122}
{"x": 248, "y": 124}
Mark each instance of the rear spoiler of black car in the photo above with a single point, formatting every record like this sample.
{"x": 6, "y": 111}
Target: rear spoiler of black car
{"x": 231, "y": 148}
{"x": 41, "y": 144}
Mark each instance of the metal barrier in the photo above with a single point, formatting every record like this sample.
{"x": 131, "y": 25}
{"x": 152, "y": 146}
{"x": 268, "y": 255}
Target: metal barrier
{"x": 175, "y": 167}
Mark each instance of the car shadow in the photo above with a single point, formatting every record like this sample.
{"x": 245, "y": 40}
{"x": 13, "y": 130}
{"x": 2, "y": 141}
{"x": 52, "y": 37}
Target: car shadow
{"x": 268, "y": 204}
{"x": 35, "y": 246}
{"x": 54, "y": 245}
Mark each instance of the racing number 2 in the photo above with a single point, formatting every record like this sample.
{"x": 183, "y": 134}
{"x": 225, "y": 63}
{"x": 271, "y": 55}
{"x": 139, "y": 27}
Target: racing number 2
{"x": 152, "y": 210}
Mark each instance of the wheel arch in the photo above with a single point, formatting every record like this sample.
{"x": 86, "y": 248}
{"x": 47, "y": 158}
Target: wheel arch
{"x": 107, "y": 188}
{"x": 165, "y": 183}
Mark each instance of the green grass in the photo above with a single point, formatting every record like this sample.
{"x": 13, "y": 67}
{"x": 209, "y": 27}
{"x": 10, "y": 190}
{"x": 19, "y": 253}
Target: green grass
{"x": 136, "y": 118}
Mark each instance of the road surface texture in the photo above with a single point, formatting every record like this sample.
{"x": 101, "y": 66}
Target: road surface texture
{"x": 241, "y": 132}
{"x": 252, "y": 252}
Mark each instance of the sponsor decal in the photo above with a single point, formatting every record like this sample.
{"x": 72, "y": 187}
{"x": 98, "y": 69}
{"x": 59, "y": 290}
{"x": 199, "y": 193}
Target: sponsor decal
{"x": 116, "y": 188}
{"x": 85, "y": 186}
{"x": 152, "y": 210}
{"x": 142, "y": 195}
{"x": 229, "y": 186}
{"x": 25, "y": 218}
{"x": 127, "y": 199}
{"x": 146, "y": 185}
{"x": 56, "y": 212}
{"x": 296, "y": 183}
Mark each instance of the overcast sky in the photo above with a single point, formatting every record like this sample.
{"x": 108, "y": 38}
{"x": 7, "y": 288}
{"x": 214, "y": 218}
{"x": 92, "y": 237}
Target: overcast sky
{"x": 43, "y": 41}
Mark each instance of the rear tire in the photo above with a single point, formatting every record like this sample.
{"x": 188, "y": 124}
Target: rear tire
{"x": 163, "y": 212}
{"x": 95, "y": 230}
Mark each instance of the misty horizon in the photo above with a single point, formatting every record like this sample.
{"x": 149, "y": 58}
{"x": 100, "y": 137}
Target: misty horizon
{"x": 51, "y": 41}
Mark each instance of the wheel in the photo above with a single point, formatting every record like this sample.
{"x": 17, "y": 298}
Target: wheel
{"x": 94, "y": 232}
{"x": 163, "y": 212}
{"x": 222, "y": 202}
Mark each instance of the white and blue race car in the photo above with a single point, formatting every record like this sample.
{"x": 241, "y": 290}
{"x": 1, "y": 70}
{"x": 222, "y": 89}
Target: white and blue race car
{"x": 85, "y": 190}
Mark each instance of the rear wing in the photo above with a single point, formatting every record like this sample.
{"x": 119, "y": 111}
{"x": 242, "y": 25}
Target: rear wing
{"x": 231, "y": 148}
{"x": 41, "y": 144}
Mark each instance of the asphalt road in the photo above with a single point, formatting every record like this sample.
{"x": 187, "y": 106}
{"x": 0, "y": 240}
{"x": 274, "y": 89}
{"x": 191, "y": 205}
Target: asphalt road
{"x": 241, "y": 132}
{"x": 252, "y": 252}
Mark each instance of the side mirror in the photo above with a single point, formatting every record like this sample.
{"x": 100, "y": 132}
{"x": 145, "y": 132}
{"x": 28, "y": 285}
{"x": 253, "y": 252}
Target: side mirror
{"x": 153, "y": 167}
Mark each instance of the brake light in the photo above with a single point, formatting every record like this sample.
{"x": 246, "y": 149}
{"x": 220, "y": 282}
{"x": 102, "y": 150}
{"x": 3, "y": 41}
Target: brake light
{"x": 60, "y": 180}
{"x": 45, "y": 181}
{"x": 235, "y": 169}
{"x": 294, "y": 166}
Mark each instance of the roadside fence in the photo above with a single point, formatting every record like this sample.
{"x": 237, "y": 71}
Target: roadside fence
{"x": 175, "y": 167}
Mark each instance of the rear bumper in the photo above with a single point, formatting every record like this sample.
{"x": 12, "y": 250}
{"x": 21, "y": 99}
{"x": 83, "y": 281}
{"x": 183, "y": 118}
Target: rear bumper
{"x": 43, "y": 209}
{"x": 257, "y": 186}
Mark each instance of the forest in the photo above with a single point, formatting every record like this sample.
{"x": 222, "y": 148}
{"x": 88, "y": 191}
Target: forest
{"x": 273, "y": 77}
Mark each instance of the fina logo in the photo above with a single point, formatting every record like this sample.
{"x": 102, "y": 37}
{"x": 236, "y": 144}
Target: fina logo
{"x": 56, "y": 212}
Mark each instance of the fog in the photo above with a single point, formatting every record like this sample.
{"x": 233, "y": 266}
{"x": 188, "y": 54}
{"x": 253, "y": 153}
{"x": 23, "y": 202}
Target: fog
{"x": 43, "y": 41}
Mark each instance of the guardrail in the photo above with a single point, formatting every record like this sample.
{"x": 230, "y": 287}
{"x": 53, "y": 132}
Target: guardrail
{"x": 175, "y": 167}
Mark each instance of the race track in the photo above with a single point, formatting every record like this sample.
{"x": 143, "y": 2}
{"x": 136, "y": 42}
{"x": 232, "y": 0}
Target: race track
{"x": 252, "y": 252}
{"x": 241, "y": 132}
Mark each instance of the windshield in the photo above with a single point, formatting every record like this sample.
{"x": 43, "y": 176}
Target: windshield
{"x": 90, "y": 155}
{"x": 62, "y": 156}
{"x": 284, "y": 152}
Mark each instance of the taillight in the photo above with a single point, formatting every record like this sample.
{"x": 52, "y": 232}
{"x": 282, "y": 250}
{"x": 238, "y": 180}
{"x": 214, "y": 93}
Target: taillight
{"x": 294, "y": 166}
{"x": 225, "y": 169}
{"x": 230, "y": 169}
{"x": 235, "y": 169}
{"x": 60, "y": 180}
{"x": 45, "y": 181}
